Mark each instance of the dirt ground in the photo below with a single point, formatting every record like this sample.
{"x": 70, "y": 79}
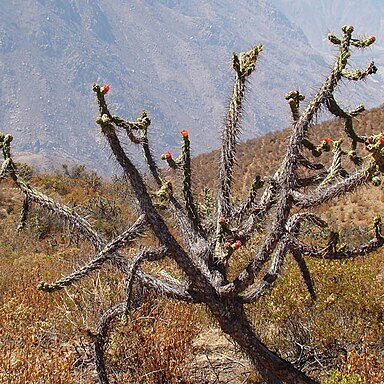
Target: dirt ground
{"x": 218, "y": 360}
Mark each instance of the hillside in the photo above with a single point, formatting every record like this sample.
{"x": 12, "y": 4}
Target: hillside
{"x": 261, "y": 156}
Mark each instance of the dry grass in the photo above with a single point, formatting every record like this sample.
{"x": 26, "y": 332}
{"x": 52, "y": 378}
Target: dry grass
{"x": 31, "y": 348}
{"x": 43, "y": 338}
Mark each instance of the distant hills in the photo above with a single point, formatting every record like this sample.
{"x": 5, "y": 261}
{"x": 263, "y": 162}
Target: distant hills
{"x": 169, "y": 57}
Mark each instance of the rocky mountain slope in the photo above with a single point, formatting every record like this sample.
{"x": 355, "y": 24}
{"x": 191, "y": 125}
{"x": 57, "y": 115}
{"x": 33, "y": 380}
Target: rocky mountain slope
{"x": 169, "y": 57}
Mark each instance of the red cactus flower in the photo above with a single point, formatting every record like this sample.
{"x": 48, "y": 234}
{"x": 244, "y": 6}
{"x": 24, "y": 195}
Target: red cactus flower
{"x": 382, "y": 140}
{"x": 237, "y": 244}
{"x": 327, "y": 140}
{"x": 166, "y": 155}
{"x": 227, "y": 244}
{"x": 372, "y": 38}
{"x": 105, "y": 88}
{"x": 184, "y": 133}
{"x": 291, "y": 102}
{"x": 221, "y": 219}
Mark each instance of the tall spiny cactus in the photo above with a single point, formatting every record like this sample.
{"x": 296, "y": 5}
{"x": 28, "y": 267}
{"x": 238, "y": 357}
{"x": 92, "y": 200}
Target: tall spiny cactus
{"x": 244, "y": 65}
{"x": 206, "y": 251}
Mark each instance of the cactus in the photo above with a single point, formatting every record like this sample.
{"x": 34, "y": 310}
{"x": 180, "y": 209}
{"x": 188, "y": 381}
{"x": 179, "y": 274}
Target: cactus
{"x": 207, "y": 245}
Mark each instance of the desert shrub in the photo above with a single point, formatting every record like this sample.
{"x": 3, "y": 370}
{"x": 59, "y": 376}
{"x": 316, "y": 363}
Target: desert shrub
{"x": 26, "y": 171}
{"x": 347, "y": 312}
{"x": 155, "y": 346}
{"x": 91, "y": 179}
{"x": 338, "y": 378}
{"x": 30, "y": 349}
{"x": 53, "y": 183}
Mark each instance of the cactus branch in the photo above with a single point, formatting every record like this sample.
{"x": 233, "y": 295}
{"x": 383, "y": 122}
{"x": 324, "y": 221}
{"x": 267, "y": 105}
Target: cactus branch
{"x": 288, "y": 172}
{"x": 4, "y": 168}
{"x": 23, "y": 214}
{"x": 309, "y": 165}
{"x": 192, "y": 234}
{"x": 341, "y": 188}
{"x": 305, "y": 273}
{"x": 125, "y": 238}
{"x": 196, "y": 269}
{"x": 187, "y": 183}
{"x": 104, "y": 326}
{"x": 336, "y": 168}
{"x": 99, "y": 340}
{"x": 359, "y": 74}
{"x": 270, "y": 277}
{"x": 332, "y": 252}
{"x": 247, "y": 205}
{"x": 145, "y": 255}
{"x": 244, "y": 65}
{"x": 64, "y": 212}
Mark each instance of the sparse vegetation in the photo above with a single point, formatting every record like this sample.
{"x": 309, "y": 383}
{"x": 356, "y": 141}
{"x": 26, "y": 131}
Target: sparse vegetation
{"x": 225, "y": 259}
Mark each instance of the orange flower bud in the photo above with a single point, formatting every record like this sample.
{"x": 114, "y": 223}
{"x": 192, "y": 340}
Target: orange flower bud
{"x": 105, "y": 88}
{"x": 238, "y": 244}
{"x": 166, "y": 155}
